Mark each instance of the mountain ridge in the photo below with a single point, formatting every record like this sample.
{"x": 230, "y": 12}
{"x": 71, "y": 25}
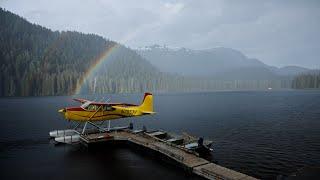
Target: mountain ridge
{"x": 213, "y": 61}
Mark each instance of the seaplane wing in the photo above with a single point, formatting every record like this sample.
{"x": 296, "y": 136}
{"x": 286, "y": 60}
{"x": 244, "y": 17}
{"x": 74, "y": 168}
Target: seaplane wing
{"x": 101, "y": 111}
{"x": 80, "y": 100}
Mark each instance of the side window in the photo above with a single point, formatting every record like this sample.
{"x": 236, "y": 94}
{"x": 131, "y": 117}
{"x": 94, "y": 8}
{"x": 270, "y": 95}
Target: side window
{"x": 109, "y": 108}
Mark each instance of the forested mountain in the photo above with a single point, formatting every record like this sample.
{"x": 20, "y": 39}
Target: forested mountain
{"x": 307, "y": 80}
{"x": 37, "y": 61}
{"x": 223, "y": 68}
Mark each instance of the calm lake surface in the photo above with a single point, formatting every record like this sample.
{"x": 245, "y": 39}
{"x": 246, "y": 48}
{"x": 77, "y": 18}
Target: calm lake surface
{"x": 262, "y": 134}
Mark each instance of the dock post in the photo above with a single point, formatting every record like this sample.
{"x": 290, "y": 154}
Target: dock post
{"x": 130, "y": 125}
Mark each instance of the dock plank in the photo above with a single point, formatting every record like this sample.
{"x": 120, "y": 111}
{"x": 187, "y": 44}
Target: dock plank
{"x": 214, "y": 171}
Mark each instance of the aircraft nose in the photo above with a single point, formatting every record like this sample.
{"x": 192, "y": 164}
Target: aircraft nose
{"x": 62, "y": 110}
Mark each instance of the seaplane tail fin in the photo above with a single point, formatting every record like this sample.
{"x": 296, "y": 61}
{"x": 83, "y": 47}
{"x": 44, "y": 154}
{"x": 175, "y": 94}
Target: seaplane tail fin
{"x": 147, "y": 104}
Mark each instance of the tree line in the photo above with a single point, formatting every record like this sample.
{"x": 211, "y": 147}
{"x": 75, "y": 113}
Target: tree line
{"x": 310, "y": 80}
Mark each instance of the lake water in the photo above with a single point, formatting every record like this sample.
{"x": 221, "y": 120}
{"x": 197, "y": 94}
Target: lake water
{"x": 262, "y": 134}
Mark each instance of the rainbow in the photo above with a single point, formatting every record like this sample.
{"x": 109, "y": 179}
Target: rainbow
{"x": 97, "y": 62}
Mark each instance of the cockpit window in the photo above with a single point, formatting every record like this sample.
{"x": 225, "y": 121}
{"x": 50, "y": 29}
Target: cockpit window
{"x": 85, "y": 105}
{"x": 108, "y": 108}
{"x": 92, "y": 107}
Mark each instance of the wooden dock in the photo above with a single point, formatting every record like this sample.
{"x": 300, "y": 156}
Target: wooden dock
{"x": 186, "y": 159}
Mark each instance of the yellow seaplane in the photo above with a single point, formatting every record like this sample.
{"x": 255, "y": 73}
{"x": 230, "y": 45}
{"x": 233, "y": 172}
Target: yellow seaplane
{"x": 92, "y": 112}
{"x": 101, "y": 111}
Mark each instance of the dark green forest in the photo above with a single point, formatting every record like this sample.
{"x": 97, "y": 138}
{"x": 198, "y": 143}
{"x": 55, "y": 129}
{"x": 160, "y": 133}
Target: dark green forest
{"x": 36, "y": 61}
{"x": 309, "y": 80}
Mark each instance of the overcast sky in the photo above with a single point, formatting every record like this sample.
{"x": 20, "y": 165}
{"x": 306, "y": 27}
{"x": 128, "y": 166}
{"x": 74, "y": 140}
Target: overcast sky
{"x": 276, "y": 32}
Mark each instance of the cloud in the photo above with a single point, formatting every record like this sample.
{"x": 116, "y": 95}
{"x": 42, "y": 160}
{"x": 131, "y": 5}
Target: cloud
{"x": 277, "y": 32}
